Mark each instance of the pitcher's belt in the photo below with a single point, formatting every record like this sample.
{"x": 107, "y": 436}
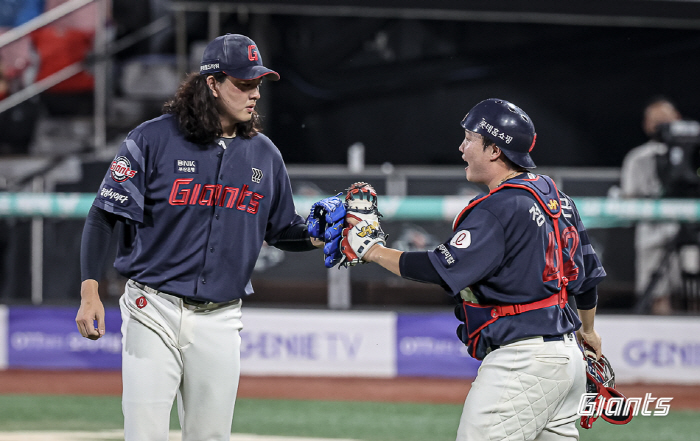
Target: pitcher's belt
{"x": 186, "y": 300}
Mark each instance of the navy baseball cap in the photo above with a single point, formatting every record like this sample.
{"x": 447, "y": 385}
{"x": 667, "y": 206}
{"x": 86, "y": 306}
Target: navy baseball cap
{"x": 237, "y": 56}
{"x": 507, "y": 125}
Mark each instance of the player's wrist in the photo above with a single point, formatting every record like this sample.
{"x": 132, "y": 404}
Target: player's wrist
{"x": 89, "y": 290}
{"x": 374, "y": 253}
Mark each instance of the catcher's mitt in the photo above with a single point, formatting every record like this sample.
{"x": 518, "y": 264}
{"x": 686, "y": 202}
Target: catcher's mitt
{"x": 361, "y": 204}
{"x": 357, "y": 240}
{"x": 600, "y": 380}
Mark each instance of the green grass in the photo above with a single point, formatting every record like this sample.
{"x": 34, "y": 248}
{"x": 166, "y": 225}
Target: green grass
{"x": 359, "y": 420}
{"x": 676, "y": 426}
{"x": 368, "y": 421}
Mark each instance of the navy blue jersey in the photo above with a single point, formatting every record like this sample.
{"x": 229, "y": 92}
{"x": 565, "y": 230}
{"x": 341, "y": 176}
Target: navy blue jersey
{"x": 504, "y": 252}
{"x": 196, "y": 215}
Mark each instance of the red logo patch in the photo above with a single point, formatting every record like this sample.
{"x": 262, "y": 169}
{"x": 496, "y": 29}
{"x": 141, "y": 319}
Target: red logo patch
{"x": 141, "y": 302}
{"x": 252, "y": 52}
{"x": 121, "y": 169}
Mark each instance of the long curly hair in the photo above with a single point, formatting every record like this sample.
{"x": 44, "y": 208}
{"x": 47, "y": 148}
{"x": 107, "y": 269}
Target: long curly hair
{"x": 194, "y": 106}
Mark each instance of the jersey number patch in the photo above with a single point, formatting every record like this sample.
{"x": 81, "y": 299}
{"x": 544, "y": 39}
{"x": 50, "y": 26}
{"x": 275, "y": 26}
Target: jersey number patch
{"x": 570, "y": 241}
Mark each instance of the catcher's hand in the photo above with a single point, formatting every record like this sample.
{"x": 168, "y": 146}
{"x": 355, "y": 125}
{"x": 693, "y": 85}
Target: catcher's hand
{"x": 358, "y": 240}
{"x": 325, "y": 222}
{"x": 361, "y": 204}
{"x": 591, "y": 339}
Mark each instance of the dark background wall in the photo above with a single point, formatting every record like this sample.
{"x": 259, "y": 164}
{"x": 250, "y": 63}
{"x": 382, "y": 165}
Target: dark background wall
{"x": 402, "y": 86}
{"x": 400, "y": 75}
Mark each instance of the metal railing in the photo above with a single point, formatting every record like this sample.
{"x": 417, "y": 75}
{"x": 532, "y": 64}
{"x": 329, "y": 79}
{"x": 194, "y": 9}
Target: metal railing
{"x": 99, "y": 68}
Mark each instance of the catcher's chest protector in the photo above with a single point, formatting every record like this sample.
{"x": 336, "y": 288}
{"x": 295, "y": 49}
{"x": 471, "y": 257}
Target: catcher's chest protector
{"x": 478, "y": 316}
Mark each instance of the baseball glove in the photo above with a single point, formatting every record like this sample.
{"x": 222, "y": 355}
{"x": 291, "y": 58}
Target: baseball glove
{"x": 326, "y": 221}
{"x": 358, "y": 240}
{"x": 361, "y": 204}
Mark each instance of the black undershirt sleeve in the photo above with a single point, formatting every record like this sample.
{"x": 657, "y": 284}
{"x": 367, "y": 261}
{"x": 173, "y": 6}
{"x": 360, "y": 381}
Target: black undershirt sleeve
{"x": 587, "y": 300}
{"x": 95, "y": 242}
{"x": 416, "y": 265}
{"x": 295, "y": 239}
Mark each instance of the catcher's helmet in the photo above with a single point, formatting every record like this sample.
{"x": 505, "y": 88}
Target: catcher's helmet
{"x": 600, "y": 380}
{"x": 505, "y": 124}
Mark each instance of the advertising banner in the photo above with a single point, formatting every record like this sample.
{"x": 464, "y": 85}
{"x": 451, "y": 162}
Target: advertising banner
{"x": 652, "y": 349}
{"x": 47, "y": 338}
{"x": 306, "y": 342}
{"x": 3, "y": 337}
{"x": 427, "y": 346}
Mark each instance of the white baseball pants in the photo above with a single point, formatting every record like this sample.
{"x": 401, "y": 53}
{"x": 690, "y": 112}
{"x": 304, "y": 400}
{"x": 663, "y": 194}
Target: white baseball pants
{"x": 527, "y": 390}
{"x": 172, "y": 349}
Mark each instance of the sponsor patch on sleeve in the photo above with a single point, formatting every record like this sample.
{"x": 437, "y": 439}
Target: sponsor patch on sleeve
{"x": 445, "y": 256}
{"x": 185, "y": 166}
{"x": 461, "y": 239}
{"x": 113, "y": 195}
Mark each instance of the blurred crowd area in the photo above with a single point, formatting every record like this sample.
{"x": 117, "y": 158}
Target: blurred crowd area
{"x": 57, "y": 120}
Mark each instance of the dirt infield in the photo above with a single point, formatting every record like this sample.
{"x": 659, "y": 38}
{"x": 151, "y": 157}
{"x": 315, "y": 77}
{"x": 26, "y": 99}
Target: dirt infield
{"x": 421, "y": 390}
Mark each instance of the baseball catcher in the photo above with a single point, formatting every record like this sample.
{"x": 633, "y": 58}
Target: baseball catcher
{"x": 516, "y": 255}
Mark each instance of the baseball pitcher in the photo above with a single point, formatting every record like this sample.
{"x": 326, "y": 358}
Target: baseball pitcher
{"x": 196, "y": 191}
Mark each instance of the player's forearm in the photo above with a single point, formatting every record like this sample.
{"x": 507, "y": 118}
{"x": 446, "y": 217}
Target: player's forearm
{"x": 385, "y": 257}
{"x": 94, "y": 245}
{"x": 587, "y": 317}
{"x": 296, "y": 238}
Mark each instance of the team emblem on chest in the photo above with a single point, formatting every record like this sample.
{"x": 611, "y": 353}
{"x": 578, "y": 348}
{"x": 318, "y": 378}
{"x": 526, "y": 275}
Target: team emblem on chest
{"x": 257, "y": 175}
